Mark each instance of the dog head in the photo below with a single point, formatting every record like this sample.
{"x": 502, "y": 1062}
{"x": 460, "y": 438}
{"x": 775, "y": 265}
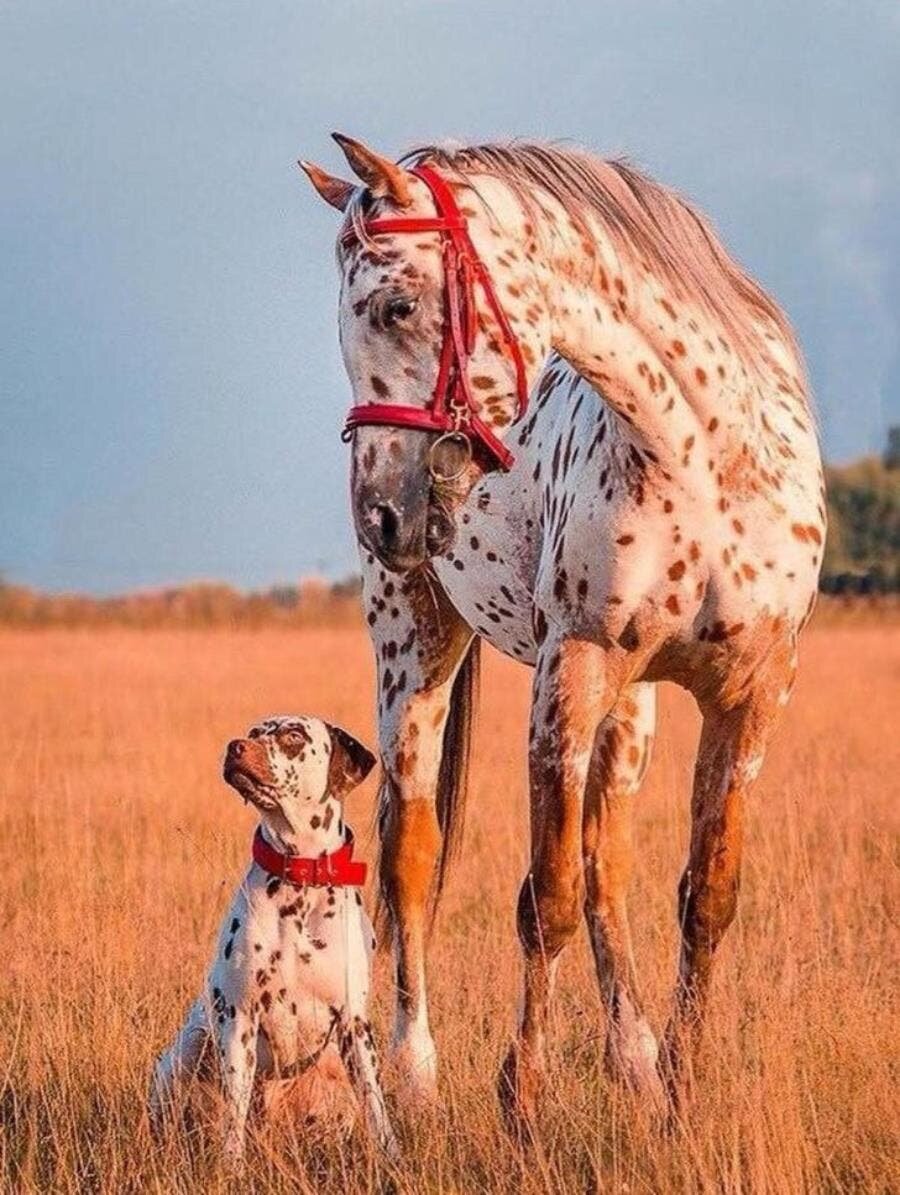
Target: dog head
{"x": 289, "y": 765}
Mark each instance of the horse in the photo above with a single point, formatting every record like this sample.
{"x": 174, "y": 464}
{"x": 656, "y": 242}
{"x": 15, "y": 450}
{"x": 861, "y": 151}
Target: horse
{"x": 582, "y": 433}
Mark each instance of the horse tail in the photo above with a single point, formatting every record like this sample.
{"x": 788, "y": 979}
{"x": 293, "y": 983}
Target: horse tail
{"x": 453, "y": 776}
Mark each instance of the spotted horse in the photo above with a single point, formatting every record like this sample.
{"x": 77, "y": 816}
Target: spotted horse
{"x": 583, "y": 433}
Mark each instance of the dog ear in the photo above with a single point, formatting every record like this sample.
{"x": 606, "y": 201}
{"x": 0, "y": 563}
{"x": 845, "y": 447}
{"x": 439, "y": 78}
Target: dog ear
{"x": 350, "y": 763}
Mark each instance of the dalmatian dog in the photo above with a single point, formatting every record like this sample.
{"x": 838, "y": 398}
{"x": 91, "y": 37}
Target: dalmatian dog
{"x": 288, "y": 989}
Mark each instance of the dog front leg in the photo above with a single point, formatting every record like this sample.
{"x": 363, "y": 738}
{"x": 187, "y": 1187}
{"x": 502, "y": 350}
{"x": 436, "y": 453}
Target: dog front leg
{"x": 360, "y": 1057}
{"x": 237, "y": 1037}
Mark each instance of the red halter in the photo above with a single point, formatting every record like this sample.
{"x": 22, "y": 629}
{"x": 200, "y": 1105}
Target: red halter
{"x": 452, "y": 407}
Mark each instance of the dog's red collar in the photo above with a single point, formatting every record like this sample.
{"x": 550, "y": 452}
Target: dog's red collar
{"x": 338, "y": 870}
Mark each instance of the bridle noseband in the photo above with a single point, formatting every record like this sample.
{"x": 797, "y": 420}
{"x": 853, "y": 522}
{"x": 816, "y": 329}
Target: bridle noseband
{"x": 452, "y": 408}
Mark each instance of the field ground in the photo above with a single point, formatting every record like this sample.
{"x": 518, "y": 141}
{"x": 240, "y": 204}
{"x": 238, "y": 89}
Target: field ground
{"x": 120, "y": 847}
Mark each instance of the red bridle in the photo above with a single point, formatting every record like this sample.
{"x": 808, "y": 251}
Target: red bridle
{"x": 452, "y": 408}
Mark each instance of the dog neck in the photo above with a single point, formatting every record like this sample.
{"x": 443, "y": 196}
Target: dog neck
{"x": 316, "y": 829}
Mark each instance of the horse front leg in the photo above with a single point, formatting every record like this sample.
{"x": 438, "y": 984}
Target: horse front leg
{"x": 421, "y": 643}
{"x": 573, "y": 690}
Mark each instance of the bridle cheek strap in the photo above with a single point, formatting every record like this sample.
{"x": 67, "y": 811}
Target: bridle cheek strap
{"x": 452, "y": 407}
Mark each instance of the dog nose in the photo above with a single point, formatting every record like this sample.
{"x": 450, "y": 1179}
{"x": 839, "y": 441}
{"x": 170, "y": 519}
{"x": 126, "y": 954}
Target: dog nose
{"x": 235, "y": 749}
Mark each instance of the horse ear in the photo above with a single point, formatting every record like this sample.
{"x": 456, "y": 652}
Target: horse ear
{"x": 350, "y": 763}
{"x": 334, "y": 190}
{"x": 384, "y": 178}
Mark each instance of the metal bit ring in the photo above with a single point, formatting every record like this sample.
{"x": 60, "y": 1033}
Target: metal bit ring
{"x": 450, "y": 437}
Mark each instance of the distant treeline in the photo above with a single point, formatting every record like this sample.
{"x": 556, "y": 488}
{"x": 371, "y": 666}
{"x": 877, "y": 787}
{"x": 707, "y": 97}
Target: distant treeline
{"x": 312, "y": 602}
{"x": 862, "y": 552}
{"x": 862, "y": 559}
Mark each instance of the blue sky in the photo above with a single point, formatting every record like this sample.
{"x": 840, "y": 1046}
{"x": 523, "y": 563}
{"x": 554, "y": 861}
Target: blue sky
{"x": 170, "y": 383}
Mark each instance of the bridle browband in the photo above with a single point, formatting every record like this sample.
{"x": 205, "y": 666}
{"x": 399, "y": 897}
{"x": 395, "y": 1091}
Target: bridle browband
{"x": 452, "y": 408}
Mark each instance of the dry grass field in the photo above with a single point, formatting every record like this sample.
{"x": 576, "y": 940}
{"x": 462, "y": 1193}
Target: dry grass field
{"x": 120, "y": 846}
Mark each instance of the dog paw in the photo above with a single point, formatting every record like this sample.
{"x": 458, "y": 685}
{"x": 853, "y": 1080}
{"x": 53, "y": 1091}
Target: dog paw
{"x": 233, "y": 1152}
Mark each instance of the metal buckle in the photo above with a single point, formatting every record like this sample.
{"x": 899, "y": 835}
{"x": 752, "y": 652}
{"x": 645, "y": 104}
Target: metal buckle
{"x": 323, "y": 875}
{"x": 456, "y": 436}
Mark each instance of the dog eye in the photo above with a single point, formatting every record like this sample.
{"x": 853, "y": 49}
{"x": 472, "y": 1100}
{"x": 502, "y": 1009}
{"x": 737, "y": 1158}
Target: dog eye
{"x": 397, "y": 309}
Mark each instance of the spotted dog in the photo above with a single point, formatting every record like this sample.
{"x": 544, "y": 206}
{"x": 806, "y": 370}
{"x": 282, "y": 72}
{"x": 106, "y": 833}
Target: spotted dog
{"x": 288, "y": 988}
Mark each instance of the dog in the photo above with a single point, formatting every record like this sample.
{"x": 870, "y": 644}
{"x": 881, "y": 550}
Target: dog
{"x": 287, "y": 993}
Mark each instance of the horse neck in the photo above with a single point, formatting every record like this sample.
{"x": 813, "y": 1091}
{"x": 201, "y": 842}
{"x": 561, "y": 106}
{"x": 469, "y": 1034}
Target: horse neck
{"x": 665, "y": 364}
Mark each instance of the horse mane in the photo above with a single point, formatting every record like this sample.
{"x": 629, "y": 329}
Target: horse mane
{"x": 646, "y": 221}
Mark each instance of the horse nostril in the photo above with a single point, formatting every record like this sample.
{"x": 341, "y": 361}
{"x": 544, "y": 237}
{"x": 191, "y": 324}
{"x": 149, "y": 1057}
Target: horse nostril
{"x": 385, "y": 517}
{"x": 235, "y": 748}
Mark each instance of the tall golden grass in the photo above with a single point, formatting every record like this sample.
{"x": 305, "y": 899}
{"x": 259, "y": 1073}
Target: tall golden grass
{"x": 121, "y": 846}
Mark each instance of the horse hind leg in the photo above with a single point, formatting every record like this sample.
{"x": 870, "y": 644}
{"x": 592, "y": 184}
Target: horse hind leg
{"x": 619, "y": 760}
{"x": 732, "y": 746}
{"x": 574, "y": 688}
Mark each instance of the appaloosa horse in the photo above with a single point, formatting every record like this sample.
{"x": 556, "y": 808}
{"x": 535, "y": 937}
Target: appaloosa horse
{"x": 655, "y": 511}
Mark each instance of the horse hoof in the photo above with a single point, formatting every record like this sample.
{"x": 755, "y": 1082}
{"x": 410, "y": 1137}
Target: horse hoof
{"x": 633, "y": 1061}
{"x": 413, "y": 1077}
{"x": 517, "y": 1089}
{"x": 676, "y": 1072}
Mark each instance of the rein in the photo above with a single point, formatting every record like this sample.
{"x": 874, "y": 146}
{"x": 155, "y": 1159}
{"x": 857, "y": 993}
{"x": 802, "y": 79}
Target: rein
{"x": 452, "y": 408}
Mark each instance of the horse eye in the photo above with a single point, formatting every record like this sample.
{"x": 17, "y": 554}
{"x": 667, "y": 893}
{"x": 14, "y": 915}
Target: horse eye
{"x": 398, "y": 309}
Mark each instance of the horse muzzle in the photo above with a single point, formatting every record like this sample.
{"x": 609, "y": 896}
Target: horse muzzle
{"x": 403, "y": 537}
